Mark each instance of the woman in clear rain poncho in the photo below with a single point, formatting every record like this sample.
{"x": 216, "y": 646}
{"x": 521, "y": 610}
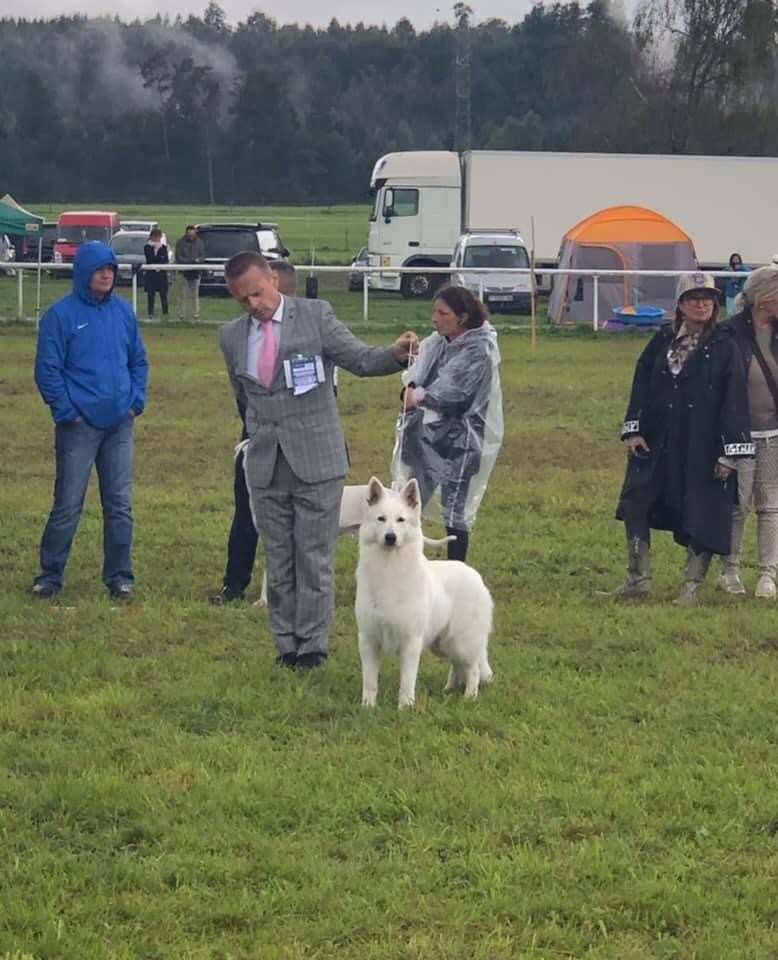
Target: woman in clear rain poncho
{"x": 451, "y": 427}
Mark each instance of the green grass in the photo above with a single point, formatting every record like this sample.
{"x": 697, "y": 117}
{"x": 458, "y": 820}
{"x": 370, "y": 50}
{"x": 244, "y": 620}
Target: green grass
{"x": 166, "y": 792}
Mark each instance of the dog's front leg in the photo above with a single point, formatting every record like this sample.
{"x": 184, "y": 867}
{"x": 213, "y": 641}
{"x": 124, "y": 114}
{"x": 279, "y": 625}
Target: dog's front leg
{"x": 410, "y": 656}
{"x": 370, "y": 664}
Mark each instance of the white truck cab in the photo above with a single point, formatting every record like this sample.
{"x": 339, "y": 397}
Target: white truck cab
{"x": 492, "y": 250}
{"x": 415, "y": 220}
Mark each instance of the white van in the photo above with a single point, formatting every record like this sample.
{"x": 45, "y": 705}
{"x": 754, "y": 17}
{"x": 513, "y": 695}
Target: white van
{"x": 494, "y": 250}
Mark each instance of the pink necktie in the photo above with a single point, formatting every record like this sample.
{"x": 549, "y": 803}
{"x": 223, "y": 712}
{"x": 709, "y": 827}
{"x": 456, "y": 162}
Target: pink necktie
{"x": 267, "y": 354}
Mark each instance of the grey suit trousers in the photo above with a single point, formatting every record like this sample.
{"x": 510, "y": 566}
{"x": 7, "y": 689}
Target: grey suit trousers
{"x": 298, "y": 523}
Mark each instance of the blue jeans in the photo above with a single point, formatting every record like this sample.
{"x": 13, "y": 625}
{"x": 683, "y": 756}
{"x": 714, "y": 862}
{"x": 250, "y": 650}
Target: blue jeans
{"x": 78, "y": 447}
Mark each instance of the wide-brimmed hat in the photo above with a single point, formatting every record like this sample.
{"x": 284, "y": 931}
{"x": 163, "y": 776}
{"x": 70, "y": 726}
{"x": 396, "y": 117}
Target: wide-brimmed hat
{"x": 695, "y": 281}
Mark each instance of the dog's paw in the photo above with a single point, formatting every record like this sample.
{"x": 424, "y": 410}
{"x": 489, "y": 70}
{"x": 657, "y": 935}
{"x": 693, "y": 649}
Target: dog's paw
{"x": 368, "y": 699}
{"x": 406, "y": 703}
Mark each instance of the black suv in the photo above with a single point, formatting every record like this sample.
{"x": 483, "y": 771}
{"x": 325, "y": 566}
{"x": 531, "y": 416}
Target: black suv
{"x": 224, "y": 240}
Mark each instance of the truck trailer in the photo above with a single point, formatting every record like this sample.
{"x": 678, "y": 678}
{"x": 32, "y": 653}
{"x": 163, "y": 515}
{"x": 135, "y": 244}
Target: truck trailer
{"x": 425, "y": 200}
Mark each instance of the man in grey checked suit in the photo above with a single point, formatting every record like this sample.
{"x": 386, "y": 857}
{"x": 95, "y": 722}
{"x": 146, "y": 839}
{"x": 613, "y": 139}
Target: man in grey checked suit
{"x": 296, "y": 460}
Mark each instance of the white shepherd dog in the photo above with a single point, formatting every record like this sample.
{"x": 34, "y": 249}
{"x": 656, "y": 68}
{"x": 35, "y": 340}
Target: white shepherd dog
{"x": 406, "y": 603}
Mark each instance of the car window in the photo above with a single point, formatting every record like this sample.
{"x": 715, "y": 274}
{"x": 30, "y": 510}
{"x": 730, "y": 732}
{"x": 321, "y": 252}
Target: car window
{"x": 268, "y": 240}
{"x": 404, "y": 203}
{"x": 122, "y": 244}
{"x": 223, "y": 244}
{"x": 74, "y": 233}
{"x": 509, "y": 256}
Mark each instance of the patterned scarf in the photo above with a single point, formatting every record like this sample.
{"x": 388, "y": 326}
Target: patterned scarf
{"x": 682, "y": 347}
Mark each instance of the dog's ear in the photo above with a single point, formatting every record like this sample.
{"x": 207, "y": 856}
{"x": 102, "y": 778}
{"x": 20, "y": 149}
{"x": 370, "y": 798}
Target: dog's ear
{"x": 375, "y": 490}
{"x": 411, "y": 494}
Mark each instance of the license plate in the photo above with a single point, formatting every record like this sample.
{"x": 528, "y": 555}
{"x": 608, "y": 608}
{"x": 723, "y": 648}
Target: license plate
{"x": 500, "y": 297}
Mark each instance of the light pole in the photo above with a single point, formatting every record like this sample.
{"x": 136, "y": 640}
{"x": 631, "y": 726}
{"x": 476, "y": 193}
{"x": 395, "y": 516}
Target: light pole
{"x": 462, "y": 124}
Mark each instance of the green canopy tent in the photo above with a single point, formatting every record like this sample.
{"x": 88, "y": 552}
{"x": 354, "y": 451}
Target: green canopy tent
{"x": 15, "y": 219}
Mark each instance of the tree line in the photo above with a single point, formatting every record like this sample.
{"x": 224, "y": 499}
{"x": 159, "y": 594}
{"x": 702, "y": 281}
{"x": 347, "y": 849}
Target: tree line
{"x": 199, "y": 110}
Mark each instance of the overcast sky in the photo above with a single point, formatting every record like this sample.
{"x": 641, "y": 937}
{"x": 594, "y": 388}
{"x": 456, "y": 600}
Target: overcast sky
{"x": 421, "y": 13}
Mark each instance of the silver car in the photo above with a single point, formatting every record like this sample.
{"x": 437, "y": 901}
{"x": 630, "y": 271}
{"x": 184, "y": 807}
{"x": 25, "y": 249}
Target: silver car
{"x": 355, "y": 278}
{"x": 127, "y": 246}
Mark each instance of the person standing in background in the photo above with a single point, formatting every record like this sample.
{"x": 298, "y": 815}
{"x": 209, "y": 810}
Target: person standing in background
{"x": 156, "y": 281}
{"x": 735, "y": 284}
{"x": 189, "y": 250}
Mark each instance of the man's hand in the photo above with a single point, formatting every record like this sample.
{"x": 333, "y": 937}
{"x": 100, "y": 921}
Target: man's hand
{"x": 409, "y": 399}
{"x": 407, "y": 344}
{"x": 636, "y": 443}
{"x": 721, "y": 471}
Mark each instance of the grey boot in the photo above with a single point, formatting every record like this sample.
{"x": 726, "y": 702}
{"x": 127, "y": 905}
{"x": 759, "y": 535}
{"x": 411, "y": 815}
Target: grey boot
{"x": 696, "y": 568}
{"x": 637, "y": 583}
{"x": 730, "y": 565}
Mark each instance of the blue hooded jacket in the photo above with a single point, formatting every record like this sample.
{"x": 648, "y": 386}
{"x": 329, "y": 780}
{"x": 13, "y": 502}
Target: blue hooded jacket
{"x": 91, "y": 362}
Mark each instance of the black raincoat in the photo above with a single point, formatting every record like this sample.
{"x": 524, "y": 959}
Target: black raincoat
{"x": 688, "y": 422}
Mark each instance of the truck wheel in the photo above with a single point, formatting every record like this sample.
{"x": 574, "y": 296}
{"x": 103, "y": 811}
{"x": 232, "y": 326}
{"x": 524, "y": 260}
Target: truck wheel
{"x": 418, "y": 286}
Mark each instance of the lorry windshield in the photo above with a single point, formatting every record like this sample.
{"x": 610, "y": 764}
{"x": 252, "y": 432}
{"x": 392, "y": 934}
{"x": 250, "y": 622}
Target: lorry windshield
{"x": 509, "y": 256}
{"x": 77, "y": 233}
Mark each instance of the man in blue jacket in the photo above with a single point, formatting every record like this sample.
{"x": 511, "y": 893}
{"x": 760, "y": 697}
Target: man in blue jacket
{"x": 91, "y": 370}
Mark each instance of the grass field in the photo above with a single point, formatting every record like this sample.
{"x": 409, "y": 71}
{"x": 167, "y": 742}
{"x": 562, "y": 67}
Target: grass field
{"x": 167, "y": 792}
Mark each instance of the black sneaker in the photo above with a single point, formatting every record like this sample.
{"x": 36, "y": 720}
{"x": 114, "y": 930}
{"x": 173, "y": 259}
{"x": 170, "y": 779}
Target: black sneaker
{"x": 310, "y": 661}
{"x": 226, "y": 595}
{"x": 122, "y": 594}
{"x": 288, "y": 660}
{"x": 44, "y": 591}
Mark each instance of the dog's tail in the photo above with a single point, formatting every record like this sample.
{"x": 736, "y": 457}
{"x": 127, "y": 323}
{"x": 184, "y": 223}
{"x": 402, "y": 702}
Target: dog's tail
{"x": 240, "y": 448}
{"x": 431, "y": 542}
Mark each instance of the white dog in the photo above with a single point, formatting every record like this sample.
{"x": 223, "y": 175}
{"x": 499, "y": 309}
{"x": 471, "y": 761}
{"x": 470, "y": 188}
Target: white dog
{"x": 351, "y": 505}
{"x": 406, "y": 603}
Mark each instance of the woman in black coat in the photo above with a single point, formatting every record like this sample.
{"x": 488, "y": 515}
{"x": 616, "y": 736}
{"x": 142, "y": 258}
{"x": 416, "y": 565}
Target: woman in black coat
{"x": 156, "y": 281}
{"x": 686, "y": 426}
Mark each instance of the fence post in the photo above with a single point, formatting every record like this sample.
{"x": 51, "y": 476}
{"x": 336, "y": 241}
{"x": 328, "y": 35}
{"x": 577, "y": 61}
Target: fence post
{"x": 365, "y": 298}
{"x": 596, "y": 304}
{"x": 135, "y": 293}
{"x": 481, "y": 287}
{"x": 20, "y": 295}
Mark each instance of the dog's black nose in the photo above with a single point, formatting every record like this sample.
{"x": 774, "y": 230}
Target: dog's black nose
{"x": 390, "y": 539}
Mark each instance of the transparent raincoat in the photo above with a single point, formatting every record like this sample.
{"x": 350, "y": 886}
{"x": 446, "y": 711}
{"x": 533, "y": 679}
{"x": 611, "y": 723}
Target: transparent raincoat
{"x": 450, "y": 442}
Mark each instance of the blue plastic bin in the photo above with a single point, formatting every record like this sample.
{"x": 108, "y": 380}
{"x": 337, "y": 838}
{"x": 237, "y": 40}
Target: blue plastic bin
{"x": 640, "y": 316}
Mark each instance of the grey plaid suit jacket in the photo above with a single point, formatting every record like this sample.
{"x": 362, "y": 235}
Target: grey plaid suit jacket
{"x": 307, "y": 428}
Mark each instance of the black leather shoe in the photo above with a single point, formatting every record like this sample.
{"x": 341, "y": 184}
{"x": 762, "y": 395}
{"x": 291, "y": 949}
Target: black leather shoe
{"x": 226, "y": 595}
{"x": 310, "y": 661}
{"x": 288, "y": 660}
